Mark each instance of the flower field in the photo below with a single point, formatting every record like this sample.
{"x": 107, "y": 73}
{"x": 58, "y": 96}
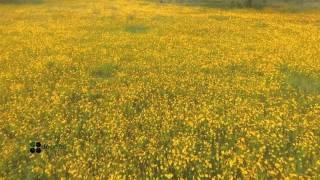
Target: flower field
{"x": 137, "y": 89}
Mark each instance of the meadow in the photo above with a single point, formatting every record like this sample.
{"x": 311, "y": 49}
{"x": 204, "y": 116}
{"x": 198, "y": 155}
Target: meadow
{"x": 140, "y": 89}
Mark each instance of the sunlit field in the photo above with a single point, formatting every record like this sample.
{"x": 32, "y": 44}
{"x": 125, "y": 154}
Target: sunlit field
{"x": 141, "y": 89}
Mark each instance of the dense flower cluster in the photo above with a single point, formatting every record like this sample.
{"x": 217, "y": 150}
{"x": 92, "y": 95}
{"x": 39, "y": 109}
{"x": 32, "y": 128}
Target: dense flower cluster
{"x": 139, "y": 89}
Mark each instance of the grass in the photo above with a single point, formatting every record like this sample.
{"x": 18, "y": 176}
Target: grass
{"x": 139, "y": 90}
{"x": 104, "y": 71}
{"x": 301, "y": 81}
{"x": 136, "y": 28}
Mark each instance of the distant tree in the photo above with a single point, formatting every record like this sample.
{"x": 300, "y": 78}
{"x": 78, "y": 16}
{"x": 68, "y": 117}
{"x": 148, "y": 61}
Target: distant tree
{"x": 249, "y": 3}
{"x": 254, "y": 3}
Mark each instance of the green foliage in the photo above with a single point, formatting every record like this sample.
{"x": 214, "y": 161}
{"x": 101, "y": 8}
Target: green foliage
{"x": 136, "y": 29}
{"x": 284, "y": 5}
{"x": 104, "y": 71}
{"x": 301, "y": 81}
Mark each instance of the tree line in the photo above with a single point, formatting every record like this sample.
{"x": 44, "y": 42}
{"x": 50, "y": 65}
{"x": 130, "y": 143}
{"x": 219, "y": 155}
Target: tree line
{"x": 240, "y": 3}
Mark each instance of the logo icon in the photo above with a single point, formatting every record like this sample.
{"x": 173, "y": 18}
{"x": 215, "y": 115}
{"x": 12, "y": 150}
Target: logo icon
{"x": 35, "y": 147}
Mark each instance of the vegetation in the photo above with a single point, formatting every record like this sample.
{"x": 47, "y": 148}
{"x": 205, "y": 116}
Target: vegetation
{"x": 297, "y": 5}
{"x": 136, "y": 89}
